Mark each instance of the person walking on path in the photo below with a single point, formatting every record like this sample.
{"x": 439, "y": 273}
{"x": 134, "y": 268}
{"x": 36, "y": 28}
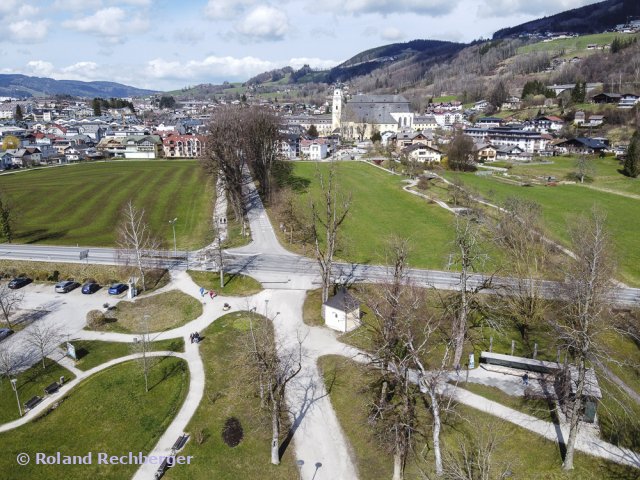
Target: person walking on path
{"x": 525, "y": 379}
{"x": 212, "y": 294}
{"x": 202, "y": 291}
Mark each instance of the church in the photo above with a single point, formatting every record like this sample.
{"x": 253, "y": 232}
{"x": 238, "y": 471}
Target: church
{"x": 363, "y": 115}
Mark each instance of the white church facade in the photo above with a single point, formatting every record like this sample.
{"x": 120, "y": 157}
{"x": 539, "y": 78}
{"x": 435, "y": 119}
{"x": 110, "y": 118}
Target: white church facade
{"x": 363, "y": 115}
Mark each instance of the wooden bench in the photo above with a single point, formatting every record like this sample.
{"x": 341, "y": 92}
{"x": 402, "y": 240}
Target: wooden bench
{"x": 162, "y": 469}
{"x": 53, "y": 388}
{"x": 32, "y": 403}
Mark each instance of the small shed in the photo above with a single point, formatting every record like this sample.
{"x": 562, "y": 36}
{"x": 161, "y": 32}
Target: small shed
{"x": 341, "y": 312}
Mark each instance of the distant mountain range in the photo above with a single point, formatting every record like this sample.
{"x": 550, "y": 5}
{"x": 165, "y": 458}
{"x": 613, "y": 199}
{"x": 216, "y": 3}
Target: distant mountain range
{"x": 25, "y": 86}
{"x": 592, "y": 18}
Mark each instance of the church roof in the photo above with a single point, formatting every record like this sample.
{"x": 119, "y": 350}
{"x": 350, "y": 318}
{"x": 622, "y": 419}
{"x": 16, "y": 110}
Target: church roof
{"x": 376, "y": 109}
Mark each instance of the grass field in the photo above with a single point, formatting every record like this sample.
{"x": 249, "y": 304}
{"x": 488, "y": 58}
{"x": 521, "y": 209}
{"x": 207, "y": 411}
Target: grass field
{"x": 81, "y": 204}
{"x": 526, "y": 455}
{"x": 236, "y": 285}
{"x": 574, "y": 45}
{"x": 92, "y": 353}
{"x": 165, "y": 311}
{"x": 109, "y": 412}
{"x": 566, "y": 202}
{"x": 380, "y": 209}
{"x": 228, "y": 394}
{"x": 31, "y": 382}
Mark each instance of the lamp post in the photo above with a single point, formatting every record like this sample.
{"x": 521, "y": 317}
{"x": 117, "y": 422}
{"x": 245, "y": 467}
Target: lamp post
{"x": 173, "y": 225}
{"x": 14, "y": 382}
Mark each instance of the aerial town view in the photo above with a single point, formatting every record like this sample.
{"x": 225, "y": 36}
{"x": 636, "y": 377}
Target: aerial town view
{"x": 334, "y": 240}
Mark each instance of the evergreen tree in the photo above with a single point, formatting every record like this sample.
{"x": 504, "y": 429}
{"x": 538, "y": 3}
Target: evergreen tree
{"x": 313, "y": 131}
{"x": 632, "y": 161}
{"x": 97, "y": 107}
{"x": 18, "y": 113}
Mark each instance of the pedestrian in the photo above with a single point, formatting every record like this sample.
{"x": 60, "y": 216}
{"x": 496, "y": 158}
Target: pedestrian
{"x": 458, "y": 369}
{"x": 191, "y": 337}
{"x": 212, "y": 294}
{"x": 525, "y": 378}
{"x": 202, "y": 291}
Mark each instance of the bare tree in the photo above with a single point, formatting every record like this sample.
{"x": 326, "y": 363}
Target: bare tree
{"x": 588, "y": 286}
{"x": 469, "y": 257}
{"x": 517, "y": 233}
{"x": 226, "y": 155}
{"x": 262, "y": 147}
{"x": 43, "y": 337}
{"x": 328, "y": 217}
{"x": 474, "y": 456}
{"x": 10, "y": 301}
{"x": 9, "y": 360}
{"x": 142, "y": 346}
{"x": 136, "y": 243}
{"x": 274, "y": 366}
{"x": 584, "y": 167}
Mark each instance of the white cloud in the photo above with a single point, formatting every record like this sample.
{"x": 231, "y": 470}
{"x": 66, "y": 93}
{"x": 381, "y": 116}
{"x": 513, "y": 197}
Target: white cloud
{"x": 226, "y": 9}
{"x": 27, "y": 11}
{"x": 504, "y": 8}
{"x": 112, "y": 23}
{"x": 385, "y": 7}
{"x": 76, "y": 5}
{"x": 391, "y": 34}
{"x": 8, "y": 6}
{"x": 211, "y": 67}
{"x": 264, "y": 23}
{"x": 318, "y": 63}
{"x": 26, "y": 31}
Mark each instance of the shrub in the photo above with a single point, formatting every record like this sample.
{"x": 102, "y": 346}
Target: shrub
{"x": 232, "y": 433}
{"x": 423, "y": 183}
{"x": 95, "y": 319}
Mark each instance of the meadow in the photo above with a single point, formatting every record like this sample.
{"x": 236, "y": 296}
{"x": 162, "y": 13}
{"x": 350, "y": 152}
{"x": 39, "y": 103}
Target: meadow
{"x": 82, "y": 204}
{"x": 574, "y": 44}
{"x": 379, "y": 210}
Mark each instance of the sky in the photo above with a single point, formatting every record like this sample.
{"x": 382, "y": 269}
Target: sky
{"x": 169, "y": 44}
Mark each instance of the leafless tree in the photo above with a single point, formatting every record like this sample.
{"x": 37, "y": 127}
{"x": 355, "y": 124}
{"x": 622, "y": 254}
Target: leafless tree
{"x": 261, "y": 143}
{"x": 328, "y": 216}
{"x": 10, "y": 301}
{"x": 273, "y": 366}
{"x": 9, "y": 360}
{"x": 136, "y": 242}
{"x": 584, "y": 167}
{"x": 218, "y": 250}
{"x": 43, "y": 337}
{"x": 402, "y": 337}
{"x": 469, "y": 257}
{"x": 517, "y": 233}
{"x": 226, "y": 154}
{"x": 142, "y": 346}
{"x": 588, "y": 286}
{"x": 474, "y": 456}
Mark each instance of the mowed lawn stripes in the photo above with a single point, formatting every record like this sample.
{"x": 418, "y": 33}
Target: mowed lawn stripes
{"x": 82, "y": 204}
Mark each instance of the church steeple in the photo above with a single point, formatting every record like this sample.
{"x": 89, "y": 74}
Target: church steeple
{"x": 336, "y": 110}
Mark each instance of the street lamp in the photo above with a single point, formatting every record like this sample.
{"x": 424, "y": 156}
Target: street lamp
{"x": 14, "y": 382}
{"x": 173, "y": 225}
{"x": 300, "y": 463}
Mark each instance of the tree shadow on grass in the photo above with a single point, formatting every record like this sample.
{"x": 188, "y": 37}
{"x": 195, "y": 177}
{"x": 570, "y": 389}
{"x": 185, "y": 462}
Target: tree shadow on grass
{"x": 167, "y": 371}
{"x": 283, "y": 174}
{"x": 41, "y": 235}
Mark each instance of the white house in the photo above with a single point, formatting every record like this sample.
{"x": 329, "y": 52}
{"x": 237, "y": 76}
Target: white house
{"x": 314, "y": 149}
{"x": 422, "y": 153}
{"x": 341, "y": 312}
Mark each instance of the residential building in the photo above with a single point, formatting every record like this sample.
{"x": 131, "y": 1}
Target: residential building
{"x": 530, "y": 142}
{"x": 183, "y": 146}
{"x": 422, "y": 153}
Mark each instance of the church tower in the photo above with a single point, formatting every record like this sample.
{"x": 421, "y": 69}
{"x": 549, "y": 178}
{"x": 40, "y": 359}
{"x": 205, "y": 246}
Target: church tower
{"x": 336, "y": 110}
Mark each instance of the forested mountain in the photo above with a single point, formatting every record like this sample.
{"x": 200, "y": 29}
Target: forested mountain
{"x": 25, "y": 86}
{"x": 593, "y": 18}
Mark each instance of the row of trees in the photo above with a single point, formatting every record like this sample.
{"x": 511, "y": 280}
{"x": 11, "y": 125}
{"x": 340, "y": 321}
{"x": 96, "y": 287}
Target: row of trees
{"x": 98, "y": 104}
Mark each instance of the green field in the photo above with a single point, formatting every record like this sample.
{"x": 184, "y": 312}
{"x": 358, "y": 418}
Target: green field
{"x": 109, "y": 412}
{"x": 574, "y": 45}
{"x": 527, "y": 455}
{"x": 380, "y": 209}
{"x": 92, "y": 353}
{"x": 563, "y": 203}
{"x": 81, "y": 204}
{"x": 228, "y": 393}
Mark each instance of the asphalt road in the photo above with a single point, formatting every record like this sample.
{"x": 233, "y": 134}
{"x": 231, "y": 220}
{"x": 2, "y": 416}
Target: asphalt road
{"x": 287, "y": 268}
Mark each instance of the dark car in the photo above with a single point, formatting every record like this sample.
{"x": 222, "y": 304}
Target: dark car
{"x": 4, "y": 333}
{"x": 66, "y": 286}
{"x": 19, "y": 282}
{"x": 90, "y": 287}
{"x": 118, "y": 288}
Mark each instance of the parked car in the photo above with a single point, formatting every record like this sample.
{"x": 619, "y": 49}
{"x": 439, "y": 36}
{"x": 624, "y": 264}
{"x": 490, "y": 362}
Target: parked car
{"x": 4, "y": 333}
{"x": 90, "y": 287}
{"x": 19, "y": 282}
{"x": 118, "y": 288}
{"x": 66, "y": 286}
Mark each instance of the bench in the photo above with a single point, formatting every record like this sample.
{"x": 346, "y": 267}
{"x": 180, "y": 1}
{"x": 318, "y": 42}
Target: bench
{"x": 182, "y": 439}
{"x": 53, "y": 388}
{"x": 32, "y": 402}
{"x": 162, "y": 469}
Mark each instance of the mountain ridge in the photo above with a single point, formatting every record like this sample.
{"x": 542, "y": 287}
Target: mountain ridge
{"x": 18, "y": 85}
